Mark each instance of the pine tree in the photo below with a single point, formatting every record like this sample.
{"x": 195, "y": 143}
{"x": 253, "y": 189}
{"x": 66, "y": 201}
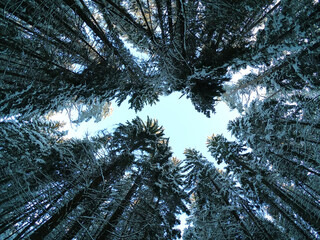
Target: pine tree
{"x": 221, "y": 210}
{"x": 192, "y": 42}
{"x": 83, "y": 188}
{"x": 285, "y": 56}
{"x": 280, "y": 126}
{"x": 126, "y": 184}
{"x": 300, "y": 210}
{"x": 288, "y": 139}
{"x": 57, "y": 52}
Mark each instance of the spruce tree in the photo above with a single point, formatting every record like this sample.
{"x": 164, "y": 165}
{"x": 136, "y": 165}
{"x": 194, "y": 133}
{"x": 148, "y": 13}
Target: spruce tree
{"x": 126, "y": 184}
{"x": 220, "y": 209}
{"x": 267, "y": 186}
{"x": 57, "y": 52}
{"x": 88, "y": 188}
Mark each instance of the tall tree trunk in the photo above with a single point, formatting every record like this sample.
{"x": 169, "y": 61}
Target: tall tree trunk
{"x": 55, "y": 220}
{"x": 285, "y": 215}
{"x": 300, "y": 209}
{"x": 83, "y": 220}
{"x": 159, "y": 11}
{"x": 108, "y": 229}
{"x": 256, "y": 220}
{"x": 233, "y": 212}
{"x": 169, "y": 9}
{"x": 39, "y": 216}
{"x": 180, "y": 27}
{"x": 84, "y": 13}
{"x": 305, "y": 213}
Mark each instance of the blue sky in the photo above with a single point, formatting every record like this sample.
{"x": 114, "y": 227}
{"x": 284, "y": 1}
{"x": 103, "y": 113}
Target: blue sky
{"x": 185, "y": 127}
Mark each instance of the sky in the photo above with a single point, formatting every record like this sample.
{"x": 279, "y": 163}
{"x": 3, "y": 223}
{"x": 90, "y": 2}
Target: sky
{"x": 185, "y": 127}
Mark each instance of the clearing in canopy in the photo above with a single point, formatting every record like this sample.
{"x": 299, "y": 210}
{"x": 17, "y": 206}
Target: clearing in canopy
{"x": 82, "y": 54}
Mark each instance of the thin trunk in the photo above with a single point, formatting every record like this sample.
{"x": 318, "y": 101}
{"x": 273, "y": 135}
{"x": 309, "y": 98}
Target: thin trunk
{"x": 233, "y": 212}
{"x": 55, "y": 41}
{"x": 160, "y": 17}
{"x": 297, "y": 194}
{"x": 82, "y": 220}
{"x": 18, "y": 48}
{"x": 60, "y": 20}
{"x": 256, "y": 23}
{"x": 290, "y": 219}
{"x": 302, "y": 211}
{"x": 108, "y": 229}
{"x": 15, "y": 220}
{"x": 56, "y": 218}
{"x": 294, "y": 163}
{"x": 27, "y": 212}
{"x": 169, "y": 9}
{"x": 39, "y": 216}
{"x": 255, "y": 220}
{"x": 219, "y": 39}
{"x": 120, "y": 12}
{"x": 144, "y": 18}
{"x": 315, "y": 194}
{"x": 181, "y": 27}
{"x": 14, "y": 205}
{"x": 43, "y": 28}
{"x": 150, "y": 15}
{"x": 83, "y": 13}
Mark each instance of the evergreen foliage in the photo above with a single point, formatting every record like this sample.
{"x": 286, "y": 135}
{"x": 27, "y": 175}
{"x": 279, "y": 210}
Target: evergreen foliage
{"x": 268, "y": 187}
{"x": 57, "y": 52}
{"x": 220, "y": 208}
{"x": 90, "y": 188}
{"x": 76, "y": 54}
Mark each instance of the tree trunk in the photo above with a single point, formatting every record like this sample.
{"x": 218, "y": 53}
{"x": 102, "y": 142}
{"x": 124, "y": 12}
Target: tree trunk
{"x": 115, "y": 217}
{"x": 256, "y": 220}
{"x": 233, "y": 212}
{"x": 289, "y": 218}
{"x": 169, "y": 9}
{"x": 301, "y": 210}
{"x": 55, "y": 220}
{"x": 82, "y": 220}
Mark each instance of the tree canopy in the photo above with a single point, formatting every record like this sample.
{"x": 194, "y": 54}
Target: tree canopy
{"x": 54, "y": 52}
{"x": 127, "y": 184}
